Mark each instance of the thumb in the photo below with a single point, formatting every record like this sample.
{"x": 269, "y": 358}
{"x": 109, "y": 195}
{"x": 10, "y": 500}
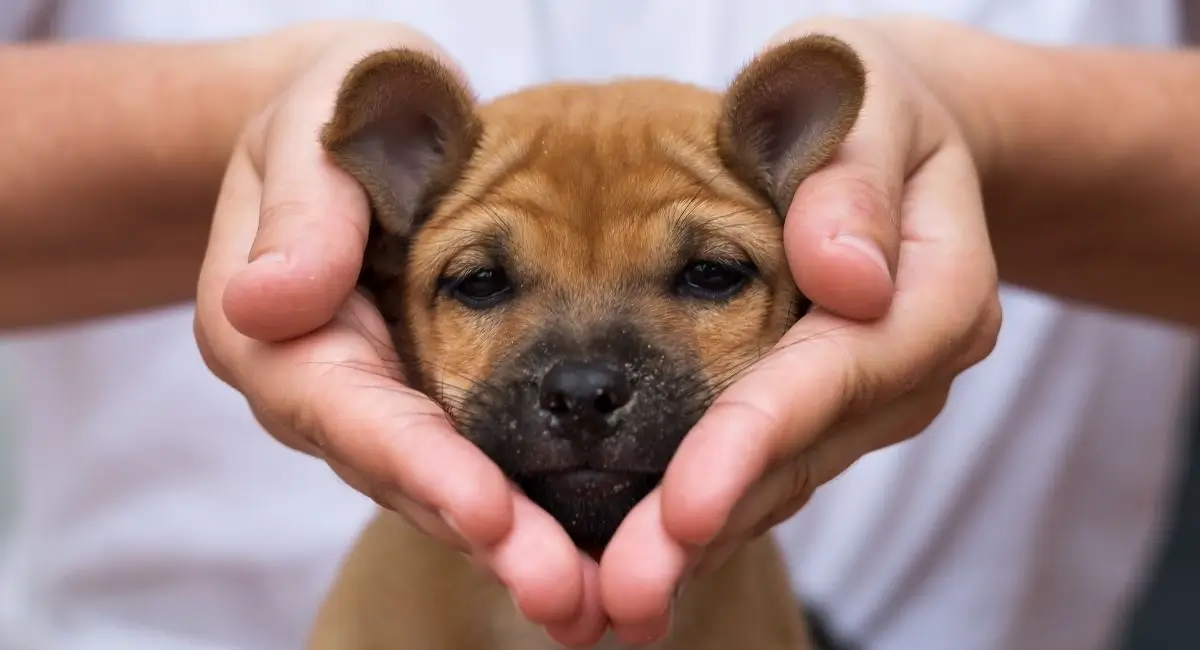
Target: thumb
{"x": 842, "y": 240}
{"x": 312, "y": 230}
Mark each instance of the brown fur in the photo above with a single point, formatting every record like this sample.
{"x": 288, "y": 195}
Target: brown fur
{"x": 594, "y": 201}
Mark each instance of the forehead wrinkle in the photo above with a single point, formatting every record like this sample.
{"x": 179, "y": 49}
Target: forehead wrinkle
{"x": 502, "y": 153}
{"x": 698, "y": 159}
{"x": 592, "y": 174}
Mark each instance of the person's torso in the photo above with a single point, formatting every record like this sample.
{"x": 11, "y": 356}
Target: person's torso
{"x": 156, "y": 514}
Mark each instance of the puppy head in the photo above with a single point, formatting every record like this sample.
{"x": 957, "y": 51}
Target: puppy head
{"x": 574, "y": 272}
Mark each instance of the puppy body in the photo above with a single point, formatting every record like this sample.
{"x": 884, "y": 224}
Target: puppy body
{"x": 574, "y": 272}
{"x": 400, "y": 589}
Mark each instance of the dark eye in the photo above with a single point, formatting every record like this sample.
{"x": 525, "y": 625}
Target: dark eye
{"x": 483, "y": 288}
{"x": 708, "y": 280}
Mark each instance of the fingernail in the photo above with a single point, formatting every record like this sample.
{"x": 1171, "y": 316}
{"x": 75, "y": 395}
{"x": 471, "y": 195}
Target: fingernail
{"x": 866, "y": 247}
{"x": 450, "y": 522}
{"x": 268, "y": 257}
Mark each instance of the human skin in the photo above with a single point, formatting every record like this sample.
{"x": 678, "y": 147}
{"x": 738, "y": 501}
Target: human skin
{"x": 1088, "y": 172}
{"x": 112, "y": 160}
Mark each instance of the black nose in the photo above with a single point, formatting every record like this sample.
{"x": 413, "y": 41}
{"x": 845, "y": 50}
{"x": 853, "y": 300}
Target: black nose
{"x": 584, "y": 390}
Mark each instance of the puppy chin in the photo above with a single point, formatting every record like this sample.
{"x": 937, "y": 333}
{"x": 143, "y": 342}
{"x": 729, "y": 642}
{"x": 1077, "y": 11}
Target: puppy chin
{"x": 589, "y": 504}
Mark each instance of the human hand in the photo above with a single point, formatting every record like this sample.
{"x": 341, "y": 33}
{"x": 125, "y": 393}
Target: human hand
{"x": 278, "y": 318}
{"x": 890, "y": 241}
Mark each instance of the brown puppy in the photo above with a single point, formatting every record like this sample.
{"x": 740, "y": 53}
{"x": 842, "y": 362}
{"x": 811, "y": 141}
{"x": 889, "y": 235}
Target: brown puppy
{"x": 573, "y": 272}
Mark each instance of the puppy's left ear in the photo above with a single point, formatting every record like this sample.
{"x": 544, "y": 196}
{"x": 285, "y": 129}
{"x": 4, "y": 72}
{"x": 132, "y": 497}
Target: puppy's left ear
{"x": 787, "y": 111}
{"x": 404, "y": 127}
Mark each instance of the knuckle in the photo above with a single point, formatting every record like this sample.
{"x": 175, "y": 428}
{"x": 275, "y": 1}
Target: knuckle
{"x": 279, "y": 214}
{"x": 296, "y": 418}
{"x": 749, "y": 411}
{"x": 862, "y": 388}
{"x": 361, "y": 485}
{"x": 286, "y": 436}
{"x": 207, "y": 354}
{"x": 990, "y": 321}
{"x": 304, "y": 421}
{"x": 802, "y": 484}
{"x": 783, "y": 513}
{"x": 983, "y": 335}
{"x": 862, "y": 189}
{"x": 771, "y": 424}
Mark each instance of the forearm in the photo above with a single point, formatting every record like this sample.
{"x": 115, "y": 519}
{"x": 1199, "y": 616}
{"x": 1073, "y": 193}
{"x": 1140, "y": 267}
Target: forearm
{"x": 1088, "y": 162}
{"x": 112, "y": 160}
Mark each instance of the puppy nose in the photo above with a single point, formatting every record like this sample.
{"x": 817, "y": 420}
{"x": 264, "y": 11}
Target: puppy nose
{"x": 584, "y": 390}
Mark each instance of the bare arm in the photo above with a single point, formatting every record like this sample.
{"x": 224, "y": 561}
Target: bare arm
{"x": 1090, "y": 162}
{"x": 112, "y": 159}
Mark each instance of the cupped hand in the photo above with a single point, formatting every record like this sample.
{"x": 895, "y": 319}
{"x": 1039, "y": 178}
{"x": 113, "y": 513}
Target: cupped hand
{"x": 890, "y": 241}
{"x": 278, "y": 318}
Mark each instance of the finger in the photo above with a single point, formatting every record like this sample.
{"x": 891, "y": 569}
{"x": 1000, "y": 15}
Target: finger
{"x": 312, "y": 230}
{"x": 208, "y": 355}
{"x": 640, "y": 572}
{"x": 290, "y": 439}
{"x": 541, "y": 568}
{"x": 718, "y": 554}
{"x": 841, "y": 242}
{"x": 420, "y": 517}
{"x": 586, "y": 629}
{"x": 396, "y": 437}
{"x": 785, "y": 489}
{"x": 824, "y": 368}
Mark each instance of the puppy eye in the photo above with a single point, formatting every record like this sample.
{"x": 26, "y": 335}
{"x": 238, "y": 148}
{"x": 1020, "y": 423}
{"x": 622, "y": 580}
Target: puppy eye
{"x": 483, "y": 288}
{"x": 708, "y": 280}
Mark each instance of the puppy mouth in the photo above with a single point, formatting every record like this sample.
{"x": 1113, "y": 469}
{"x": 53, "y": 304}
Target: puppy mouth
{"x": 588, "y": 483}
{"x": 589, "y": 503}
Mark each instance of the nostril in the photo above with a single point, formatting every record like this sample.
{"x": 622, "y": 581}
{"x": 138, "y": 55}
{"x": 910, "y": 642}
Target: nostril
{"x": 613, "y": 396}
{"x": 555, "y": 402}
{"x": 604, "y": 403}
{"x": 573, "y": 388}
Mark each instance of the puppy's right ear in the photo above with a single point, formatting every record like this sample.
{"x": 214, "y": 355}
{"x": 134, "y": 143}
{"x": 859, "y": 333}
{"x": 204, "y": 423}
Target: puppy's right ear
{"x": 787, "y": 111}
{"x": 404, "y": 127}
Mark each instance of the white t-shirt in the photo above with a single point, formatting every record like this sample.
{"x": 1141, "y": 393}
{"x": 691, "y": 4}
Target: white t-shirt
{"x": 155, "y": 515}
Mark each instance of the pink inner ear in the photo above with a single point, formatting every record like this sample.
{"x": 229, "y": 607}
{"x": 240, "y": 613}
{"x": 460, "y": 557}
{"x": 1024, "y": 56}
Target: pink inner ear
{"x": 401, "y": 120}
{"x": 788, "y": 111}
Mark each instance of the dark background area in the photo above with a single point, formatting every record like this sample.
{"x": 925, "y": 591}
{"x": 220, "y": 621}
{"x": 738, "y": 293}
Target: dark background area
{"x": 1168, "y": 617}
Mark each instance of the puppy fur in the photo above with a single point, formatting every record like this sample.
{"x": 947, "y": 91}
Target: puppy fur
{"x": 574, "y": 272}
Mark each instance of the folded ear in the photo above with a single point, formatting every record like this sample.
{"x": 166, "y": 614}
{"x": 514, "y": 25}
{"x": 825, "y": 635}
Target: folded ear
{"x": 404, "y": 127}
{"x": 787, "y": 111}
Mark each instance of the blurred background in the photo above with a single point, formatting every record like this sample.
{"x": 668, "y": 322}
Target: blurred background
{"x": 6, "y": 451}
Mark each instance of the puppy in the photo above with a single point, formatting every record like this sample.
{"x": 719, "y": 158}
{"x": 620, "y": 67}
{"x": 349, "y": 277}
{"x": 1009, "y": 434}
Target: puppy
{"x": 574, "y": 272}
